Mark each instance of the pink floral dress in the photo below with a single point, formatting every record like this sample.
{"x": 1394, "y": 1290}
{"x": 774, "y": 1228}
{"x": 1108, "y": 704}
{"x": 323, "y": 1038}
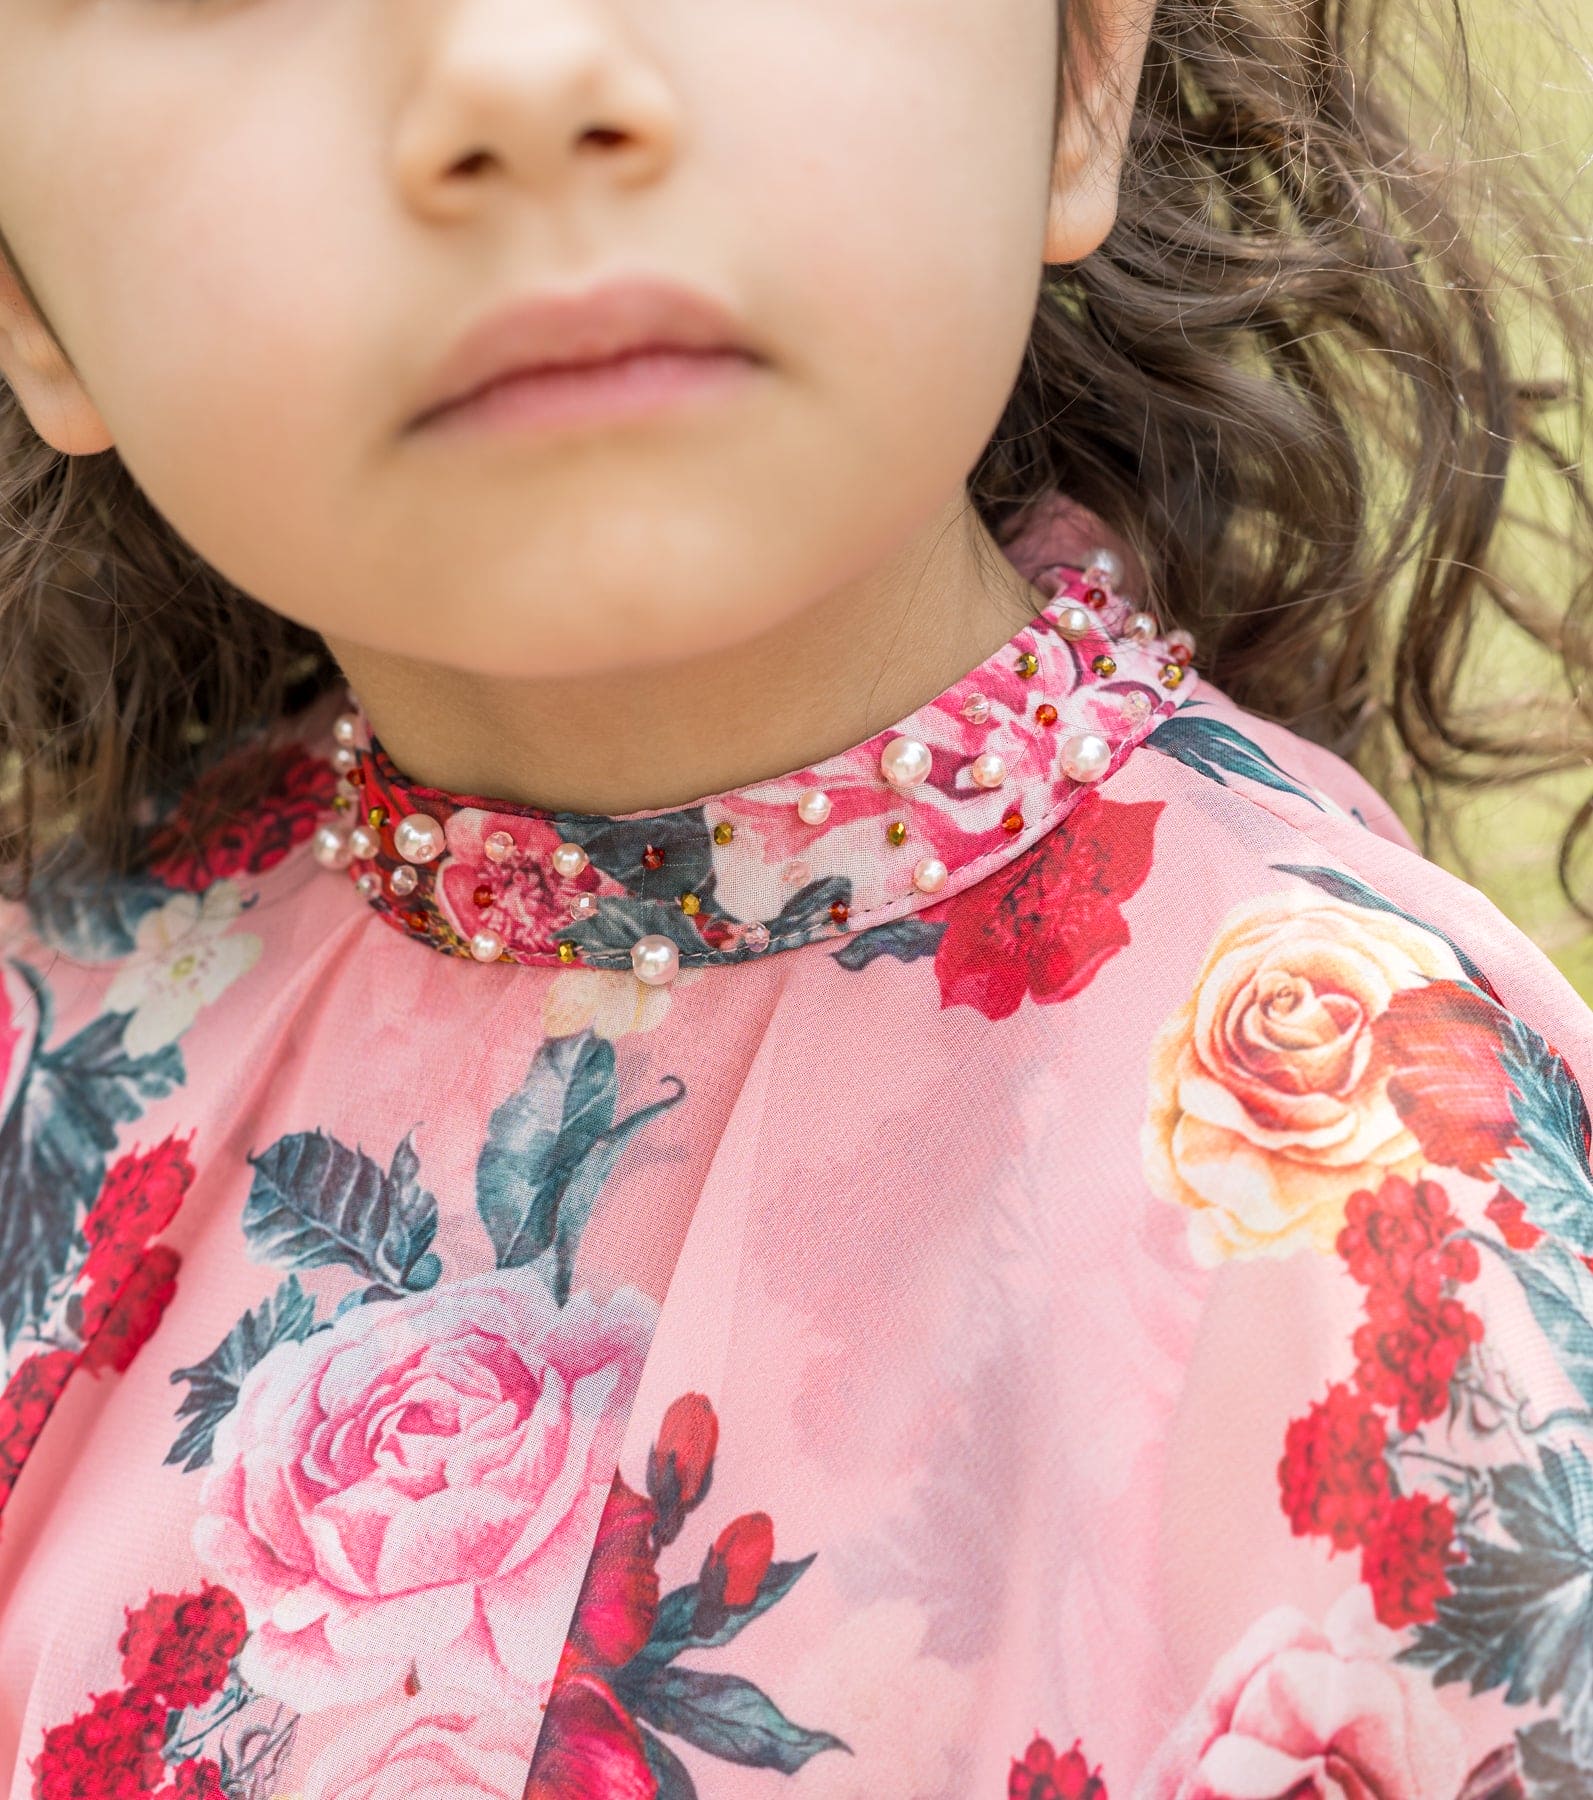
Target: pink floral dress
{"x": 1048, "y": 1254}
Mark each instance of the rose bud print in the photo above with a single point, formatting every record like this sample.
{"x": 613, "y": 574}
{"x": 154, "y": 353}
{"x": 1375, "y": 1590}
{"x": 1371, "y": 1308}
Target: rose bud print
{"x": 733, "y": 1570}
{"x": 680, "y": 1464}
{"x": 1042, "y": 1774}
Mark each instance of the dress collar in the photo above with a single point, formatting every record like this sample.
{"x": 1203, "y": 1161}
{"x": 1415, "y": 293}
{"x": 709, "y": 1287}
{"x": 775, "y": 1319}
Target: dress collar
{"x": 893, "y": 825}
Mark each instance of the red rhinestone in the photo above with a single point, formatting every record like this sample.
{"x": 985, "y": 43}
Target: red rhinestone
{"x": 653, "y": 857}
{"x": 1046, "y": 713}
{"x": 1013, "y": 823}
{"x": 1180, "y": 653}
{"x": 482, "y": 896}
{"x": 416, "y": 920}
{"x": 840, "y": 911}
{"x": 1094, "y": 597}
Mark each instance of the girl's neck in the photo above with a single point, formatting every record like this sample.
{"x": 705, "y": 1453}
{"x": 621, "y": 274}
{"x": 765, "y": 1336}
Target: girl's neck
{"x": 661, "y": 735}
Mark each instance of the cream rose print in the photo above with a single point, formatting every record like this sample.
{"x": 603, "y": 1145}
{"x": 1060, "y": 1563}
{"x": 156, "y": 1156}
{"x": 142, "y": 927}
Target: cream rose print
{"x": 1268, "y": 1104}
{"x": 1377, "y": 1105}
{"x": 404, "y": 1505}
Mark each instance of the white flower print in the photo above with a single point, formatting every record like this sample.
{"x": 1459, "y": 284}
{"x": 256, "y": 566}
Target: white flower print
{"x": 184, "y": 960}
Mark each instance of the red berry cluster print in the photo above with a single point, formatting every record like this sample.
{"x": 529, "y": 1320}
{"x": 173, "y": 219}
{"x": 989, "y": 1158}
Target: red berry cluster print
{"x": 208, "y": 836}
{"x": 1337, "y": 1474}
{"x": 177, "y": 1652}
{"x": 1044, "y": 1773}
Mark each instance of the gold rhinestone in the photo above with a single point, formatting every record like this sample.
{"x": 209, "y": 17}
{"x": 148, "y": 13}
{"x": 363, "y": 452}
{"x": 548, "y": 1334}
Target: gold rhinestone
{"x": 896, "y": 831}
{"x": 341, "y": 803}
{"x": 689, "y": 903}
{"x": 1028, "y": 663}
{"x": 566, "y": 951}
{"x": 377, "y": 816}
{"x": 1104, "y": 665}
{"x": 1172, "y": 675}
{"x": 724, "y": 831}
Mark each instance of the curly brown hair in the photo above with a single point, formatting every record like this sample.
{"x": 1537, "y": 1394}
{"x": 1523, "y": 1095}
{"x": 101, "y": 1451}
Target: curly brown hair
{"x": 1288, "y": 380}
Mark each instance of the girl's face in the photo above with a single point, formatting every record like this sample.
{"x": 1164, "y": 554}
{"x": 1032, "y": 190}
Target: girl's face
{"x": 257, "y": 226}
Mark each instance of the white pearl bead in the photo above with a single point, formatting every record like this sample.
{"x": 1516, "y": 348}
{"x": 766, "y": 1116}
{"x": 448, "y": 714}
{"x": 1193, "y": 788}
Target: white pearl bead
{"x": 345, "y": 759}
{"x": 344, "y": 727}
{"x": 904, "y": 762}
{"x": 486, "y": 946}
{"x": 363, "y": 842}
{"x": 813, "y": 807}
{"x": 929, "y": 876}
{"x": 330, "y": 847}
{"x": 419, "y": 838}
{"x": 569, "y": 859}
{"x": 498, "y": 845}
{"x": 976, "y": 709}
{"x": 989, "y": 770}
{"x": 1087, "y": 756}
{"x": 403, "y": 880}
{"x": 1106, "y": 566}
{"x": 1073, "y": 622}
{"x": 369, "y": 885}
{"x": 656, "y": 959}
{"x": 1140, "y": 627}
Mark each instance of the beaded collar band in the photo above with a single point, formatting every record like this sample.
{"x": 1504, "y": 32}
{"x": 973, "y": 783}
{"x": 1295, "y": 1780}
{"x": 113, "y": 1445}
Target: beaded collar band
{"x": 895, "y": 824}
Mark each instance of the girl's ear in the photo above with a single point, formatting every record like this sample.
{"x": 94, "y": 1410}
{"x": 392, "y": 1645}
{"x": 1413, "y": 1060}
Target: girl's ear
{"x": 1106, "y": 55}
{"x": 41, "y": 375}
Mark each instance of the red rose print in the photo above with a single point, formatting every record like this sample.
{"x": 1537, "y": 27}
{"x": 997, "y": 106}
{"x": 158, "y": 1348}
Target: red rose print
{"x": 181, "y": 1646}
{"x": 208, "y": 836}
{"x": 738, "y": 1559}
{"x": 138, "y": 1199}
{"x": 1333, "y": 1472}
{"x": 589, "y": 1746}
{"x": 29, "y": 1398}
{"x": 1043, "y": 1775}
{"x": 619, "y": 1594}
{"x": 1404, "y": 1562}
{"x": 680, "y": 1464}
{"x": 1045, "y": 923}
{"x": 127, "y": 1320}
{"x": 1440, "y": 1044}
{"x": 112, "y": 1751}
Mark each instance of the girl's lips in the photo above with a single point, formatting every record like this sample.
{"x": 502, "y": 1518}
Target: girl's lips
{"x": 633, "y": 385}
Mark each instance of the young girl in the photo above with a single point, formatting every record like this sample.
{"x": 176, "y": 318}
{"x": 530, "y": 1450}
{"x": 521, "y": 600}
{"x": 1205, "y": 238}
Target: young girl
{"x": 687, "y": 1109}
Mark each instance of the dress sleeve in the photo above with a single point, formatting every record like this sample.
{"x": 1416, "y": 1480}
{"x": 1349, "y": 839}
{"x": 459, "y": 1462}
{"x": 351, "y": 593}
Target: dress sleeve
{"x": 1370, "y": 1107}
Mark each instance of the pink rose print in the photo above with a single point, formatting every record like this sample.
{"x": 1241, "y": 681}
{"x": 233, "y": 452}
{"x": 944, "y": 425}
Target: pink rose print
{"x": 474, "y": 893}
{"x": 435, "y": 1744}
{"x": 1300, "y": 1712}
{"x": 414, "y": 1490}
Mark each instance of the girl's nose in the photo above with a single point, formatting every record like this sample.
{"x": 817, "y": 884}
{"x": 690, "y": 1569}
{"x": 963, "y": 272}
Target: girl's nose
{"x": 543, "y": 96}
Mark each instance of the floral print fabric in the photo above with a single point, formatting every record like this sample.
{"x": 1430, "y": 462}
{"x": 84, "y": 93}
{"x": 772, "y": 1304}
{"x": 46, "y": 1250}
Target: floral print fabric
{"x": 1116, "y": 1324}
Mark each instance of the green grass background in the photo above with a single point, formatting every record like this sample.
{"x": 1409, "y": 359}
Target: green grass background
{"x": 1533, "y": 66}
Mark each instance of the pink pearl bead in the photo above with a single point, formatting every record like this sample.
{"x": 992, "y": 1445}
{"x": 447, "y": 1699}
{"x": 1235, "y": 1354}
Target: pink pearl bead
{"x": 1074, "y": 623}
{"x": 330, "y": 847}
{"x": 569, "y": 859}
{"x": 813, "y": 807}
{"x": 989, "y": 770}
{"x": 1086, "y": 757}
{"x": 486, "y": 946}
{"x": 929, "y": 876}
